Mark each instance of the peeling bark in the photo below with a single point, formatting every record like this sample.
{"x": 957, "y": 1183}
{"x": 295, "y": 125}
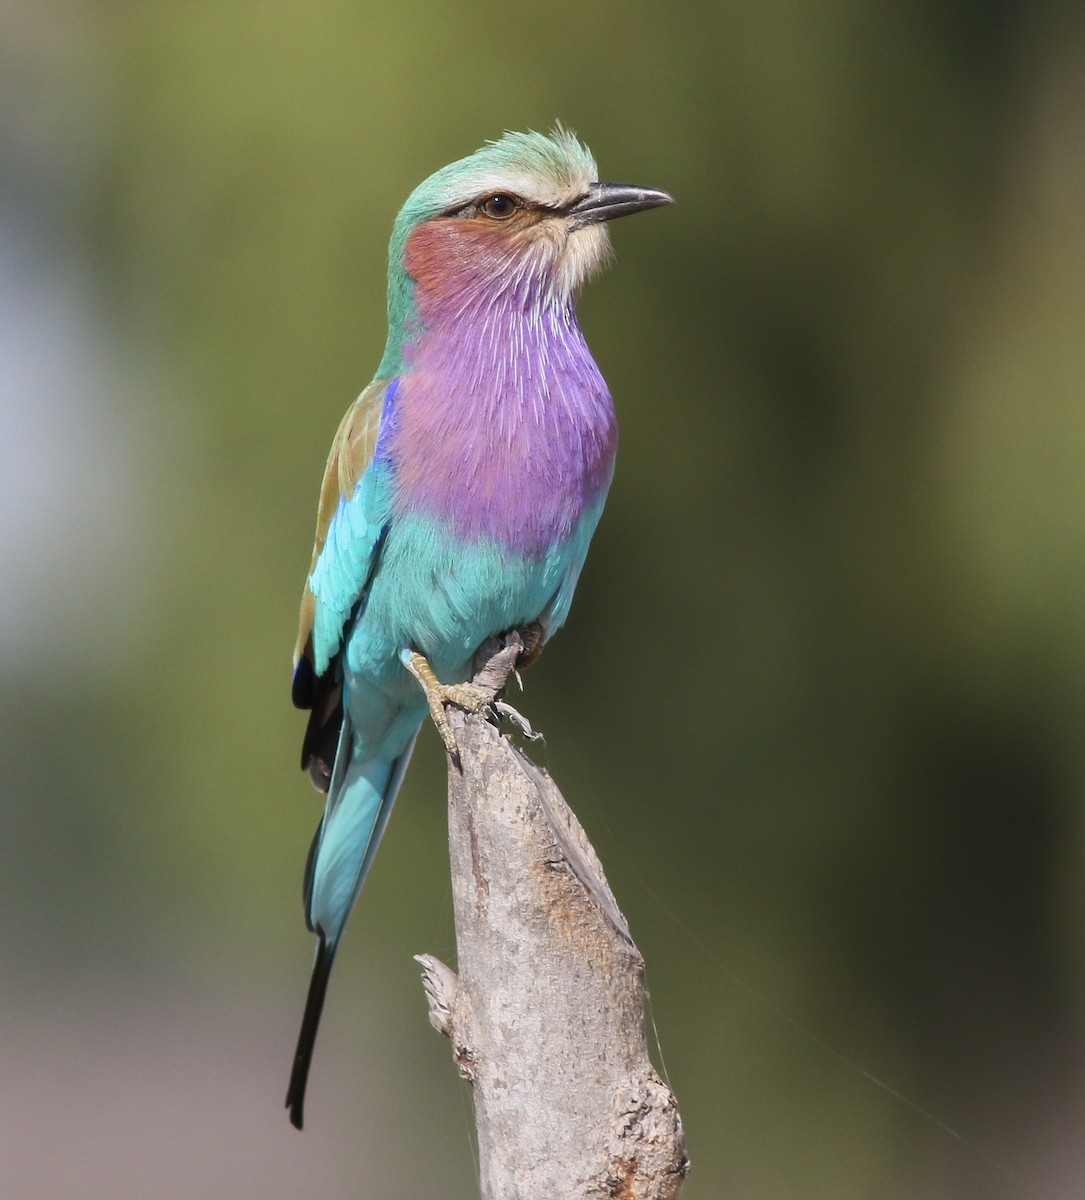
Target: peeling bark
{"x": 546, "y": 1015}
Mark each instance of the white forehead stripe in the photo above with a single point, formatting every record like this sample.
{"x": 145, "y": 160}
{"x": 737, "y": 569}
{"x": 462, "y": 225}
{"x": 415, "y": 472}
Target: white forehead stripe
{"x": 534, "y": 189}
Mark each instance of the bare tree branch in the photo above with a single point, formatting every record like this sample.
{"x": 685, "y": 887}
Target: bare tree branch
{"x": 546, "y": 1016}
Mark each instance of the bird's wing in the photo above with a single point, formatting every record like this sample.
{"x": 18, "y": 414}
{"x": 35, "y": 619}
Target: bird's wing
{"x": 350, "y": 520}
{"x": 355, "y": 505}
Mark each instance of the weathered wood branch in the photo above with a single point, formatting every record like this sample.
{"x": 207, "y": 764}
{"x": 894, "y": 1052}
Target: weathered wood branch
{"x": 546, "y": 1015}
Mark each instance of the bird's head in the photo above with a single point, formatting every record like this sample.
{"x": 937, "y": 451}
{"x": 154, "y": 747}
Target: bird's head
{"x": 524, "y": 212}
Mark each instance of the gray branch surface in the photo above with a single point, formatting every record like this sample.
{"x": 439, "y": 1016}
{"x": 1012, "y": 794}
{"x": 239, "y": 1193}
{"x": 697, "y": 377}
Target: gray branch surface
{"x": 546, "y": 1015}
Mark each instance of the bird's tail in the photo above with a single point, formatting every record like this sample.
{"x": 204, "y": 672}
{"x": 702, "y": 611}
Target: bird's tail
{"x": 303, "y": 1055}
{"x": 360, "y": 799}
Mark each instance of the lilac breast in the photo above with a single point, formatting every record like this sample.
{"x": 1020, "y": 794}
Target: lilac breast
{"x": 503, "y": 425}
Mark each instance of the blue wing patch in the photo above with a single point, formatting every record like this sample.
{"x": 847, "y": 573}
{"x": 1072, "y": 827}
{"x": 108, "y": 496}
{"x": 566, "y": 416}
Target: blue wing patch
{"x": 343, "y": 570}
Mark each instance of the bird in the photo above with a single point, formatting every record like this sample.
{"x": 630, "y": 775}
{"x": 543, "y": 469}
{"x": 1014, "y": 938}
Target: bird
{"x": 460, "y": 494}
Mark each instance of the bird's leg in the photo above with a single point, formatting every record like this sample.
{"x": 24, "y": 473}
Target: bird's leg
{"x": 471, "y": 697}
{"x": 534, "y": 638}
{"x": 526, "y": 642}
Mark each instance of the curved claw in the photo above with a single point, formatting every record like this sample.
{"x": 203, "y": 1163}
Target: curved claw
{"x": 471, "y": 697}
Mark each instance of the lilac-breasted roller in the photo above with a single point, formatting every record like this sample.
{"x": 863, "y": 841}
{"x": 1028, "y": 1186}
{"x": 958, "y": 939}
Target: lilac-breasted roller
{"x": 461, "y": 491}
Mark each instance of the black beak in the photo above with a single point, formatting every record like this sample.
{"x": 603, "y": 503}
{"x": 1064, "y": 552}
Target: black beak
{"x": 605, "y": 201}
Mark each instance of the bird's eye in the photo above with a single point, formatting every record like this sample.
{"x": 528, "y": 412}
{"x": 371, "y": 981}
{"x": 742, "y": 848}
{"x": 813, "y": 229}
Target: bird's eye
{"x": 499, "y": 206}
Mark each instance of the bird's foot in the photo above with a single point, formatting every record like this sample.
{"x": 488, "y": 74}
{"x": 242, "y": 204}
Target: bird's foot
{"x": 471, "y": 697}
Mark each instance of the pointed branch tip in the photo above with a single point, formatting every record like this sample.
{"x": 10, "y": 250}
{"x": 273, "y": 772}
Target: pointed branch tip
{"x": 439, "y": 982}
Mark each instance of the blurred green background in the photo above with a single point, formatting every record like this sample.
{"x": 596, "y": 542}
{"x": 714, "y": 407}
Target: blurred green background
{"x": 820, "y": 702}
